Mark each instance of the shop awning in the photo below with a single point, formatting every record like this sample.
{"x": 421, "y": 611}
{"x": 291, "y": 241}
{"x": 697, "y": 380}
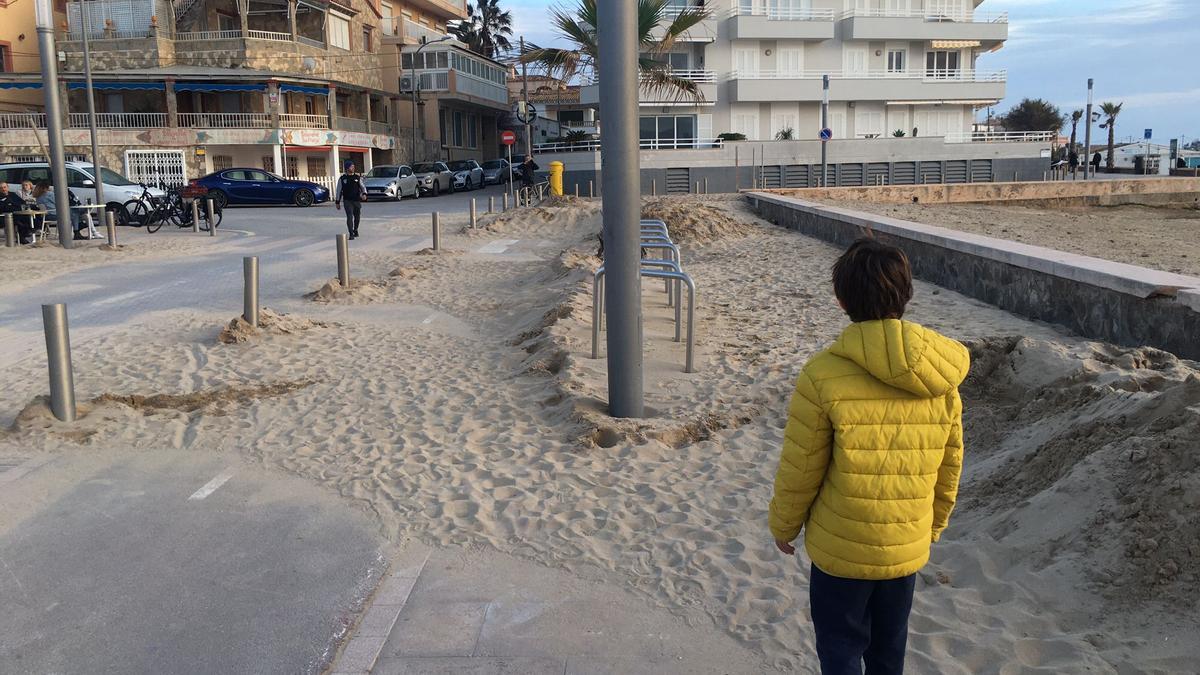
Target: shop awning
{"x": 129, "y": 86}
{"x": 955, "y": 44}
{"x": 299, "y": 89}
{"x": 20, "y": 85}
{"x": 210, "y": 86}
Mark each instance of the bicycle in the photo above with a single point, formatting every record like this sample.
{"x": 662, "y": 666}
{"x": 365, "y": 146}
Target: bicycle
{"x": 153, "y": 212}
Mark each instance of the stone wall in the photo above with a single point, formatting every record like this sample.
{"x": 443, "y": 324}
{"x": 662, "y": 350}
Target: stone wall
{"x": 1123, "y": 304}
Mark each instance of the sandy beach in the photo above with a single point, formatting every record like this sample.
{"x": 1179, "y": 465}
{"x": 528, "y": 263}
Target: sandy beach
{"x": 452, "y": 395}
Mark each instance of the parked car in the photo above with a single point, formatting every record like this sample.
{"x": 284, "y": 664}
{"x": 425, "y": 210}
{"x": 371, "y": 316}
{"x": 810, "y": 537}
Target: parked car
{"x": 391, "y": 181}
{"x": 496, "y": 171}
{"x": 468, "y": 175}
{"x": 434, "y": 178}
{"x": 81, "y": 181}
{"x": 255, "y": 186}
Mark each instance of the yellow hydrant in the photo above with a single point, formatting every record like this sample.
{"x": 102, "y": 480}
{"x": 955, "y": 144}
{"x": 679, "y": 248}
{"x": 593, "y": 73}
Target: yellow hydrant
{"x": 556, "y": 175}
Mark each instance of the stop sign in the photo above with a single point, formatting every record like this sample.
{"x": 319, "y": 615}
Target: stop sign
{"x": 508, "y": 138}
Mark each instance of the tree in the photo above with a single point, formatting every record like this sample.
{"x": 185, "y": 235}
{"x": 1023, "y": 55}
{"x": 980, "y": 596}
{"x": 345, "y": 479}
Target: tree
{"x": 1111, "y": 110}
{"x": 1076, "y": 115}
{"x": 577, "y": 26}
{"x": 486, "y": 29}
{"x": 1034, "y": 115}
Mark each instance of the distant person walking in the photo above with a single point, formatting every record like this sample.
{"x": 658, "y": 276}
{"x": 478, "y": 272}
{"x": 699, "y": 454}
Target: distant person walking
{"x": 1096, "y": 159}
{"x": 1073, "y": 159}
{"x": 528, "y": 167}
{"x": 350, "y": 188}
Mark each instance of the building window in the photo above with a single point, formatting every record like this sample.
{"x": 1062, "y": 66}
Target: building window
{"x": 472, "y": 134}
{"x": 386, "y": 23}
{"x": 293, "y": 167}
{"x": 339, "y": 31}
{"x": 941, "y": 64}
{"x": 443, "y": 125}
{"x": 897, "y": 60}
{"x": 6, "y": 65}
{"x": 316, "y": 167}
{"x": 458, "y": 129}
{"x": 28, "y": 158}
{"x": 222, "y": 162}
{"x": 228, "y": 22}
{"x": 366, "y": 44}
{"x": 268, "y": 164}
{"x": 668, "y": 130}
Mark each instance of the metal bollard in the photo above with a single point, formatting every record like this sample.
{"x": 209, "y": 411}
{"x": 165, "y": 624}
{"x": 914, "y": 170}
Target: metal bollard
{"x": 10, "y": 231}
{"x": 591, "y": 189}
{"x": 505, "y": 205}
{"x": 437, "y": 231}
{"x": 58, "y": 355}
{"x": 653, "y": 187}
{"x": 343, "y": 259}
{"x": 491, "y": 205}
{"x": 697, "y": 187}
{"x": 473, "y": 219}
{"x": 577, "y": 190}
{"x": 195, "y": 215}
{"x": 111, "y": 224}
{"x": 212, "y": 219}
{"x": 706, "y": 186}
{"x": 250, "y": 290}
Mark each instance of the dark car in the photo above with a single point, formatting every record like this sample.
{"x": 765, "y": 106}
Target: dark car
{"x": 255, "y": 186}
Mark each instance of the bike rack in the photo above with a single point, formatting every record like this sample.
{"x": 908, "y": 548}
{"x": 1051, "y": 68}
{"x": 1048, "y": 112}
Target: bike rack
{"x": 668, "y": 275}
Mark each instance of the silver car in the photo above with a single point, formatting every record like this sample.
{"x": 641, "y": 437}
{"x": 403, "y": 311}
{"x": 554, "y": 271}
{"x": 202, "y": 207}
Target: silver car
{"x": 434, "y": 178}
{"x": 391, "y": 181}
{"x": 468, "y": 175}
{"x": 496, "y": 171}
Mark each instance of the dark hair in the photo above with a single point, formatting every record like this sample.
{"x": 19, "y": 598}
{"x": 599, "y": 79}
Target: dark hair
{"x": 872, "y": 281}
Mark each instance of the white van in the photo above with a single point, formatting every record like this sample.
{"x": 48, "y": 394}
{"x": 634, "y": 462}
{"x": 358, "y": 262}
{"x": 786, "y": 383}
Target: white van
{"x": 81, "y": 178}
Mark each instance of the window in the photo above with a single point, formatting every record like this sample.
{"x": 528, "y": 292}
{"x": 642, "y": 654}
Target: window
{"x": 472, "y": 134}
{"x": 386, "y": 23}
{"x": 897, "y": 60}
{"x": 745, "y": 123}
{"x": 258, "y": 176}
{"x": 784, "y": 120}
{"x": 854, "y": 61}
{"x": 293, "y": 166}
{"x": 898, "y": 7}
{"x": 228, "y": 22}
{"x": 222, "y": 162}
{"x": 366, "y": 40}
{"x": 745, "y": 59}
{"x": 235, "y": 175}
{"x": 339, "y": 31}
{"x": 667, "y": 129}
{"x": 6, "y": 65}
{"x": 458, "y": 129}
{"x": 316, "y": 167}
{"x": 868, "y": 123}
{"x": 75, "y": 178}
{"x": 790, "y": 60}
{"x": 268, "y": 163}
{"x": 941, "y": 64}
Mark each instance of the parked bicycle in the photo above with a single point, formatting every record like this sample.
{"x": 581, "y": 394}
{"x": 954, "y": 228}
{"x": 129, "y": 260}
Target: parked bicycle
{"x": 153, "y": 212}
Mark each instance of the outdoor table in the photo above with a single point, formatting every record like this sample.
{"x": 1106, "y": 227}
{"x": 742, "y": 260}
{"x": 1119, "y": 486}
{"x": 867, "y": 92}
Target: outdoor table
{"x": 33, "y": 223}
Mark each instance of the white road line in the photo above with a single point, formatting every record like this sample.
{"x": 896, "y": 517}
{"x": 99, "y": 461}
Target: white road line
{"x": 498, "y": 246}
{"x": 212, "y": 485}
{"x": 117, "y": 298}
{"x": 429, "y": 319}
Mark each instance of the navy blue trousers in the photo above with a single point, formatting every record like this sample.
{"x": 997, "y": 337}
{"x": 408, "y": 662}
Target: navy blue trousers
{"x": 859, "y": 621}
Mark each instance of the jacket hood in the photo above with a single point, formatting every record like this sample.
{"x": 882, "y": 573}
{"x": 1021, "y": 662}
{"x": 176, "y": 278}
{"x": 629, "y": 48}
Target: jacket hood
{"x": 905, "y": 355}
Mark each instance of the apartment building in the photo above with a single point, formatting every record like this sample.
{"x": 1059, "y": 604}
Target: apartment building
{"x": 911, "y": 66}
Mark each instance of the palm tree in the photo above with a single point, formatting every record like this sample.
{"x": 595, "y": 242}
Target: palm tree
{"x": 1075, "y": 117}
{"x": 1111, "y": 110}
{"x": 486, "y": 29}
{"x": 577, "y": 26}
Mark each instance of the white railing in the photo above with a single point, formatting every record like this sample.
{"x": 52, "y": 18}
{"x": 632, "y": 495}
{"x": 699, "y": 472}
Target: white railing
{"x": 665, "y": 144}
{"x": 119, "y": 120}
{"x": 128, "y": 18}
{"x": 271, "y": 35}
{"x": 207, "y": 35}
{"x": 783, "y": 14}
{"x": 927, "y": 14}
{"x": 697, "y": 76}
{"x": 23, "y": 121}
{"x": 414, "y": 30}
{"x": 326, "y": 182}
{"x": 926, "y": 75}
{"x": 671, "y": 12}
{"x": 225, "y": 120}
{"x": 1000, "y": 136}
{"x": 299, "y": 121}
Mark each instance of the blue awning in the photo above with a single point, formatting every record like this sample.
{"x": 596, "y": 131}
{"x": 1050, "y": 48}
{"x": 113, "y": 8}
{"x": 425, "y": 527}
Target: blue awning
{"x": 132, "y": 86}
{"x": 206, "y": 86}
{"x": 303, "y": 90}
{"x": 20, "y": 85}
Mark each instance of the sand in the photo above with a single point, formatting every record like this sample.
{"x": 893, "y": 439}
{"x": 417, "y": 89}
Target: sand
{"x": 1159, "y": 238}
{"x": 460, "y": 404}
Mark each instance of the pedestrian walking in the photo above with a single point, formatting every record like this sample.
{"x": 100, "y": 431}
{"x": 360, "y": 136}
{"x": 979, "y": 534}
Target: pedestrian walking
{"x": 351, "y": 189}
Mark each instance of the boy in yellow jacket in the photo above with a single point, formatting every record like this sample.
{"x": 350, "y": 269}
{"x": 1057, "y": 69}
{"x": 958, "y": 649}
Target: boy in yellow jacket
{"x": 871, "y": 458}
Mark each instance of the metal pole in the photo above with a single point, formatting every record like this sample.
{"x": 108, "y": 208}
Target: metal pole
{"x": 250, "y": 290}
{"x": 491, "y": 205}
{"x": 111, "y": 224}
{"x": 437, "y": 231}
{"x": 504, "y": 203}
{"x": 705, "y": 185}
{"x": 737, "y": 168}
{"x": 91, "y": 106}
{"x": 1087, "y": 153}
{"x": 653, "y": 187}
{"x": 753, "y": 168}
{"x": 525, "y": 103}
{"x": 343, "y": 259}
{"x": 473, "y": 219}
{"x": 10, "y": 231}
{"x": 619, "y": 175}
{"x": 195, "y": 215}
{"x": 576, "y": 189}
{"x": 824, "y": 125}
{"x": 212, "y": 218}
{"x": 592, "y": 187}
{"x": 44, "y": 17}
{"x": 58, "y": 355}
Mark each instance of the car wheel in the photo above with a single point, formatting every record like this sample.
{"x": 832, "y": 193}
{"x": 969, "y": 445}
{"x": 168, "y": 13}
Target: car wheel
{"x": 303, "y": 197}
{"x": 451, "y": 190}
{"x": 120, "y": 215}
{"x": 437, "y": 188}
{"x": 220, "y": 199}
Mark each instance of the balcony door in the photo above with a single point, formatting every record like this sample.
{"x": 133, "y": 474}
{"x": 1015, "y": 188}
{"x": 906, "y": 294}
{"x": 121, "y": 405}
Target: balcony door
{"x": 854, "y": 61}
{"x": 745, "y": 60}
{"x": 954, "y": 10}
{"x": 897, "y": 60}
{"x": 942, "y": 64}
{"x": 790, "y": 61}
{"x": 787, "y": 9}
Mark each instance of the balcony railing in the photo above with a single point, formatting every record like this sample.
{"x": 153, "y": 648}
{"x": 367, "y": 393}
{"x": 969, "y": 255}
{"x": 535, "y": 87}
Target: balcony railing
{"x": 927, "y": 15}
{"x": 670, "y": 12}
{"x": 225, "y": 120}
{"x": 299, "y": 121}
{"x": 271, "y": 35}
{"x": 119, "y": 120}
{"x": 926, "y": 75}
{"x": 351, "y": 124}
{"x": 697, "y": 76}
{"x": 1001, "y": 136}
{"x": 23, "y": 121}
{"x": 380, "y": 127}
{"x": 207, "y": 35}
{"x": 644, "y": 144}
{"x": 783, "y": 14}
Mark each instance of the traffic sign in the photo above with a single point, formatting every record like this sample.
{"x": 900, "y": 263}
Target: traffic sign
{"x": 1149, "y": 134}
{"x": 508, "y": 138}
{"x": 826, "y": 134}
{"x": 525, "y": 112}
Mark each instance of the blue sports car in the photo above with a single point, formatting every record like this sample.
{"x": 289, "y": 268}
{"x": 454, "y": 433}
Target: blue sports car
{"x": 255, "y": 186}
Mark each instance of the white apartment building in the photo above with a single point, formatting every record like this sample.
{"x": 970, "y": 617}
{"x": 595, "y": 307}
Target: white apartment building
{"x": 907, "y": 65}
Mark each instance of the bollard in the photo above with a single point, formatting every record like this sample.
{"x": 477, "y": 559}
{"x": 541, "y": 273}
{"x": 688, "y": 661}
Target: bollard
{"x": 473, "y": 221}
{"x": 653, "y": 187}
{"x": 697, "y": 187}
{"x": 591, "y": 189}
{"x": 195, "y": 215}
{"x": 437, "y": 231}
{"x": 491, "y": 205}
{"x": 706, "y": 186}
{"x": 343, "y": 259}
{"x": 58, "y": 355}
{"x": 111, "y": 224}
{"x": 212, "y": 228}
{"x": 10, "y": 231}
{"x": 504, "y": 207}
{"x": 577, "y": 190}
{"x": 250, "y": 290}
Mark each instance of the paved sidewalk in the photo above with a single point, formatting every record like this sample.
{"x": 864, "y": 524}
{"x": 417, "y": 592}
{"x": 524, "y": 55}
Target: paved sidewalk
{"x": 444, "y": 611}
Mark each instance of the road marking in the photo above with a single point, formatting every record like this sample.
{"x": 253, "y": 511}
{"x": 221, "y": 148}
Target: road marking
{"x": 429, "y": 319}
{"x": 117, "y": 298}
{"x": 498, "y": 246}
{"x": 212, "y": 485}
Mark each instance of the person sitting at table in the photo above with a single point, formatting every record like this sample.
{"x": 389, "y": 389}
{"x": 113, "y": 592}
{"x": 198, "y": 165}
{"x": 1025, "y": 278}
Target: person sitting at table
{"x": 44, "y": 194}
{"x": 26, "y": 192}
{"x": 11, "y": 203}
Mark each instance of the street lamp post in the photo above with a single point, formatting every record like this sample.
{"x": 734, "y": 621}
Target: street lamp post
{"x": 416, "y": 87}
{"x": 44, "y": 19}
{"x": 91, "y": 104}
{"x": 1087, "y": 154}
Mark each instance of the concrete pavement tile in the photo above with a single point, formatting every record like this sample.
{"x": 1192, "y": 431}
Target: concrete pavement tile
{"x": 609, "y": 665}
{"x": 437, "y": 629}
{"x": 360, "y": 654}
{"x": 378, "y": 621}
{"x": 408, "y": 563}
{"x": 394, "y": 590}
{"x": 573, "y": 628}
{"x": 468, "y": 666}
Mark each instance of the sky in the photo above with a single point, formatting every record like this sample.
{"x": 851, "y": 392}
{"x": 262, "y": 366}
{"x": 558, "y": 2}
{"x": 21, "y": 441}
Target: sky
{"x": 1140, "y": 52}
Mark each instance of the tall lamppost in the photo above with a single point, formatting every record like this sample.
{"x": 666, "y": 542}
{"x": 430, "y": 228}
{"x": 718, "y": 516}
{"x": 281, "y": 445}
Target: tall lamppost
{"x": 416, "y": 87}
{"x": 44, "y": 19}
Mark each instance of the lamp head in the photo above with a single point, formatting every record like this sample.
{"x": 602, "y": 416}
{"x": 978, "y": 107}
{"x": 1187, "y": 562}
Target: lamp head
{"x": 43, "y": 14}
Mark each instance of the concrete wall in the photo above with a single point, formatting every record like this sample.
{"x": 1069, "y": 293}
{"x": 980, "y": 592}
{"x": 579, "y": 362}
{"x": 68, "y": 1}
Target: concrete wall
{"x": 1098, "y": 299}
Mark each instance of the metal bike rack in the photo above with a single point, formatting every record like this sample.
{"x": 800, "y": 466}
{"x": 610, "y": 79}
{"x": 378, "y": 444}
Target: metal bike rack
{"x": 669, "y": 275}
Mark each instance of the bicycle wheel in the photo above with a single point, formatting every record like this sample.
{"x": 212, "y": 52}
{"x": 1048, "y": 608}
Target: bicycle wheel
{"x": 137, "y": 212}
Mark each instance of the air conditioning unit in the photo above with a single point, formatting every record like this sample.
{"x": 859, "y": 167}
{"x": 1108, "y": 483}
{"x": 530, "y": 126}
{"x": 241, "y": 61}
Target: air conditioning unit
{"x": 406, "y": 83}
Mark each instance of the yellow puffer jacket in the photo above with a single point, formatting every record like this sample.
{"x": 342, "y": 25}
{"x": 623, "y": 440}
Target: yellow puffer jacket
{"x": 873, "y": 450}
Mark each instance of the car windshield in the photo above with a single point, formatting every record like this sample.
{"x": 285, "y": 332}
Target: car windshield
{"x": 111, "y": 177}
{"x": 493, "y": 164}
{"x": 384, "y": 172}
{"x": 425, "y": 168}
{"x": 461, "y": 165}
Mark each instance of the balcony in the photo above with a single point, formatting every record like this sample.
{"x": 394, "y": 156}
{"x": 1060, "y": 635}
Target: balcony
{"x": 759, "y": 22}
{"x": 119, "y": 120}
{"x": 300, "y": 121}
{"x": 399, "y": 30}
{"x": 589, "y": 95}
{"x": 705, "y": 31}
{"x": 939, "y": 85}
{"x": 226, "y": 120}
{"x": 446, "y": 9}
{"x": 888, "y": 24}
